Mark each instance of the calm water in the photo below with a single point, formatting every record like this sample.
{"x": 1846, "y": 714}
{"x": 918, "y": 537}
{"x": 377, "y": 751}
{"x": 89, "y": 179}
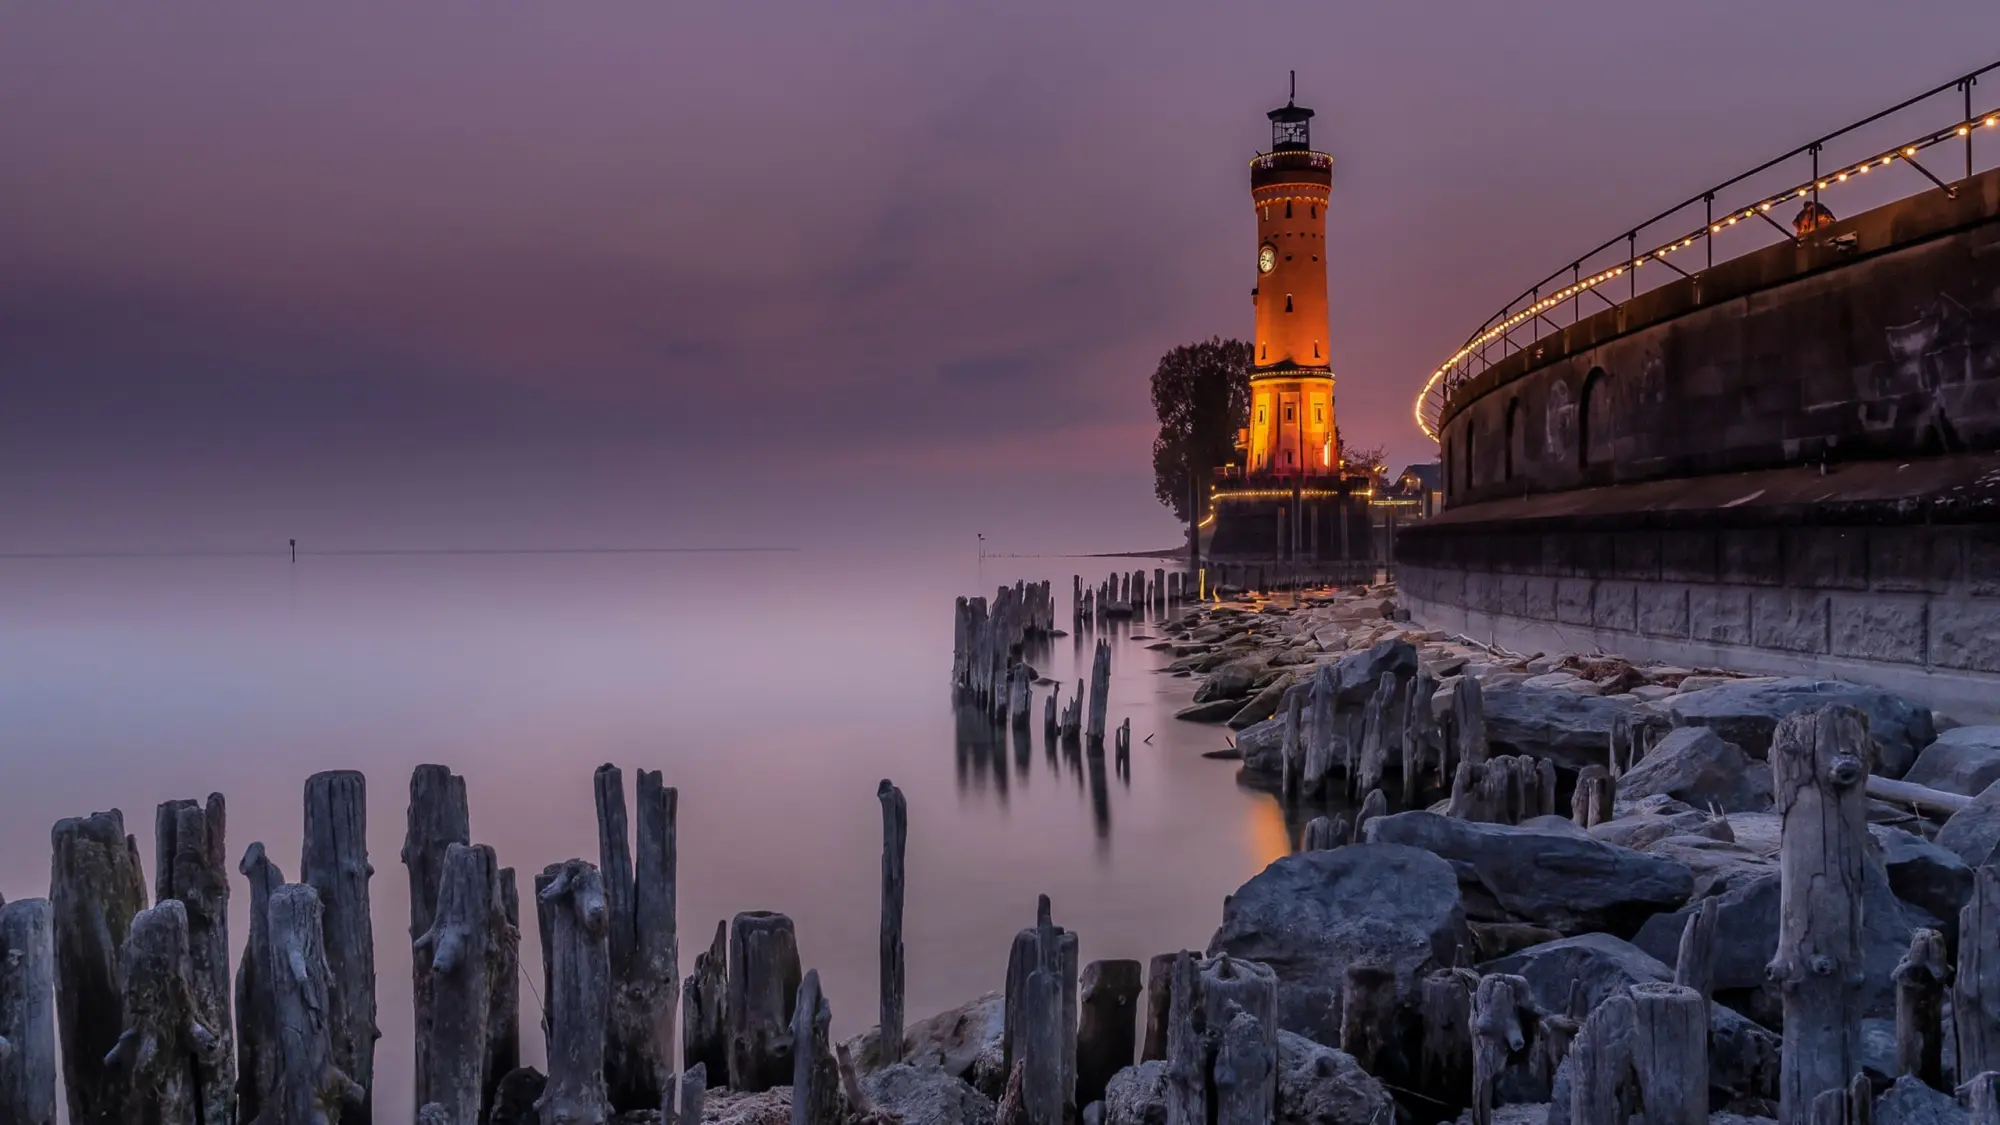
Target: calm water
{"x": 774, "y": 690}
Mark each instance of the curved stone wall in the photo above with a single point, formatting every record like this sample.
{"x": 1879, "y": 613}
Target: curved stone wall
{"x": 1876, "y": 337}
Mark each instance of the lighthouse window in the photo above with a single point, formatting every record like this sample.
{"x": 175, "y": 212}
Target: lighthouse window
{"x": 1288, "y": 208}
{"x": 1288, "y": 302}
{"x": 1315, "y": 210}
{"x": 1260, "y": 415}
{"x": 1288, "y": 412}
{"x": 1315, "y": 356}
{"x": 1319, "y": 411}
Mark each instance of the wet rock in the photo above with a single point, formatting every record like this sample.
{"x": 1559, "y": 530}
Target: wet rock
{"x": 1695, "y": 765}
{"x": 1642, "y": 826}
{"x": 1262, "y": 746}
{"x": 1973, "y": 832}
{"x": 1560, "y": 681}
{"x": 1963, "y": 760}
{"x": 1743, "y": 1056}
{"x": 1910, "y": 1102}
{"x": 1747, "y": 714}
{"x": 1746, "y": 938}
{"x": 1572, "y": 728}
{"x": 1262, "y": 705}
{"x": 1718, "y": 865}
{"x": 1567, "y": 882}
{"x": 925, "y": 1095}
{"x": 1358, "y": 673}
{"x": 1310, "y": 916}
{"x": 1137, "y": 1095}
{"x": 1924, "y": 875}
{"x": 951, "y": 1041}
{"x": 1214, "y": 711}
{"x": 1318, "y": 1085}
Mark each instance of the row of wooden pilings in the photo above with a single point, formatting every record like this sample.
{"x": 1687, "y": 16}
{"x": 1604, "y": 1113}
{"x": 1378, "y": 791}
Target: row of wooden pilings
{"x": 990, "y": 668}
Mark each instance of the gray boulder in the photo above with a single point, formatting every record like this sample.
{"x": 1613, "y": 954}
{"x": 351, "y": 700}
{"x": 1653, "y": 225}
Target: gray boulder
{"x": 952, "y": 1040}
{"x": 1746, "y": 938}
{"x": 1567, "y": 882}
{"x": 1748, "y": 714}
{"x": 1263, "y": 745}
{"x": 1233, "y": 680}
{"x": 1973, "y": 832}
{"x": 1358, "y": 673}
{"x": 1318, "y": 1085}
{"x": 1910, "y": 1102}
{"x": 1694, "y": 764}
{"x": 925, "y": 1095}
{"x": 1743, "y": 1056}
{"x": 1309, "y": 916}
{"x": 1924, "y": 875}
{"x": 1262, "y": 706}
{"x": 1660, "y": 817}
{"x": 1717, "y": 864}
{"x": 1963, "y": 760}
{"x": 1572, "y": 728}
{"x": 1137, "y": 1095}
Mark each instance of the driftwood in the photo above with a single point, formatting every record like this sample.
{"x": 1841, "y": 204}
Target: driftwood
{"x": 815, "y": 1074}
{"x": 95, "y": 890}
{"x": 579, "y": 994}
{"x": 706, "y": 1002}
{"x": 1368, "y": 1015}
{"x": 1819, "y": 760}
{"x": 462, "y": 951}
{"x": 1596, "y": 790}
{"x": 1107, "y": 1029}
{"x": 27, "y": 1013}
{"x": 437, "y": 819}
{"x": 1976, "y": 984}
{"x": 1246, "y": 1069}
{"x": 1910, "y": 793}
{"x": 334, "y": 862}
{"x": 256, "y": 998}
{"x": 164, "y": 1046}
{"x": 191, "y": 867}
{"x": 763, "y": 990}
{"x": 1694, "y": 966}
{"x": 1920, "y": 980}
{"x": 895, "y": 841}
{"x": 308, "y": 1089}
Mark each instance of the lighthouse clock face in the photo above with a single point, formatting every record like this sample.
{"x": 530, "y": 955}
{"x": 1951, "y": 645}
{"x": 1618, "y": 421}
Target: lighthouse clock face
{"x": 1267, "y": 256}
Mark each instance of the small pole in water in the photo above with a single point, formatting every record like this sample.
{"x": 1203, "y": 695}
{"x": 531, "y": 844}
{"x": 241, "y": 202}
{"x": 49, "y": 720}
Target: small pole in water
{"x": 295, "y": 550}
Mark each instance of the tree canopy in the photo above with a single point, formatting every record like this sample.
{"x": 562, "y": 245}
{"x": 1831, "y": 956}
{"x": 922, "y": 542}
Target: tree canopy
{"x": 1201, "y": 393}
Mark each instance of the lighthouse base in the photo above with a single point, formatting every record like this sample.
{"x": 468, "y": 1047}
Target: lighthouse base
{"x": 1326, "y": 522}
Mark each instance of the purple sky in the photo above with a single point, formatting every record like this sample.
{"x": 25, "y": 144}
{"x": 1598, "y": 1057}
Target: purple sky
{"x": 785, "y": 273}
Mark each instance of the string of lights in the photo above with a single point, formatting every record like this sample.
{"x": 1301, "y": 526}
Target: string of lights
{"x": 1452, "y": 372}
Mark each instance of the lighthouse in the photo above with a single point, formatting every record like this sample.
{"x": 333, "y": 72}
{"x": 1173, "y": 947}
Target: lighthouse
{"x": 1291, "y": 423}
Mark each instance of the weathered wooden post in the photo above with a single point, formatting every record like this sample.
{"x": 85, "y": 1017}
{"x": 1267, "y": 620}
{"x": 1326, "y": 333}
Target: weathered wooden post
{"x": 1291, "y": 754}
{"x": 1694, "y": 966}
{"x": 1246, "y": 1073}
{"x": 1373, "y": 805}
{"x": 191, "y": 867}
{"x": 1187, "y": 1079}
{"x": 1320, "y": 733}
{"x": 1100, "y": 693}
{"x": 503, "y": 1021}
{"x": 1023, "y": 960}
{"x": 1381, "y": 733}
{"x": 895, "y": 840}
{"x": 1981, "y": 1098}
{"x": 1595, "y": 792}
{"x": 1325, "y": 834}
{"x": 437, "y": 818}
{"x": 1040, "y": 1040}
{"x": 642, "y": 943}
{"x": 334, "y": 862}
{"x": 164, "y": 1043}
{"x": 1108, "y": 1029}
{"x": 95, "y": 890}
{"x": 1670, "y": 1053}
{"x": 1444, "y": 1060}
{"x": 763, "y": 991}
{"x": 257, "y": 1062}
{"x": 461, "y": 950}
{"x": 1368, "y": 1014}
{"x": 1497, "y": 1033}
{"x": 1819, "y": 764}
{"x": 307, "y": 1087}
{"x": 1920, "y": 980}
{"x": 1159, "y": 1002}
{"x": 704, "y": 1015}
{"x": 694, "y": 1091}
{"x": 27, "y": 1013}
{"x": 1468, "y": 704}
{"x": 579, "y": 995}
{"x": 815, "y": 1074}
{"x": 1976, "y": 984}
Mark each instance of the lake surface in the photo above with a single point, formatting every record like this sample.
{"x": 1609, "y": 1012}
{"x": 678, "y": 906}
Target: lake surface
{"x": 773, "y": 689}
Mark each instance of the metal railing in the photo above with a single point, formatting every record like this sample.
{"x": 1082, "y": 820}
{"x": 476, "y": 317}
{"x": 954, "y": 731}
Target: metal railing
{"x": 1616, "y": 263}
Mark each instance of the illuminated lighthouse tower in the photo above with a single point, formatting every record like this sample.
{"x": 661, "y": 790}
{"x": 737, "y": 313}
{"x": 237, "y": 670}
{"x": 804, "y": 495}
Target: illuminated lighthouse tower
{"x": 1291, "y": 431}
{"x": 1288, "y": 498}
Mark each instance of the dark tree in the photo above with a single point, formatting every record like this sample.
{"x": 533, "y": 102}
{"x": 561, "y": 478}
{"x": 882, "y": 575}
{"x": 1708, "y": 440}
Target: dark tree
{"x": 1201, "y": 393}
{"x": 1361, "y": 462}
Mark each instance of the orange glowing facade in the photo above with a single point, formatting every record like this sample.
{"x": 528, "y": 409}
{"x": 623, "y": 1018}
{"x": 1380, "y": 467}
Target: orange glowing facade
{"x": 1291, "y": 423}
